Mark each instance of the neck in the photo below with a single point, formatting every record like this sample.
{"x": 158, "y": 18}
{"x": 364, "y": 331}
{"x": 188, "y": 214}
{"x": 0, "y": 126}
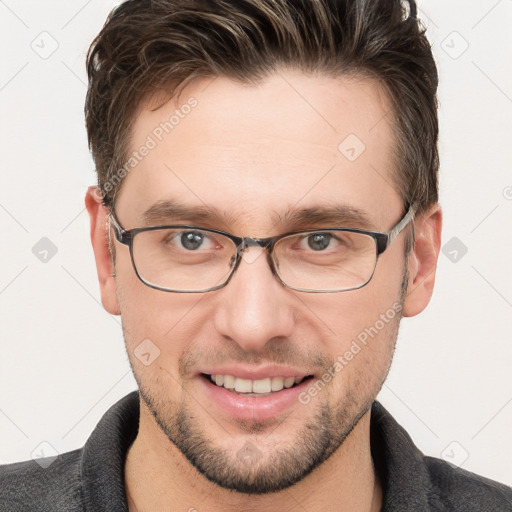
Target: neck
{"x": 159, "y": 477}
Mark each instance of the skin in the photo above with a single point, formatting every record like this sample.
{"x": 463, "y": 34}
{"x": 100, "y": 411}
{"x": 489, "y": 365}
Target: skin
{"x": 248, "y": 151}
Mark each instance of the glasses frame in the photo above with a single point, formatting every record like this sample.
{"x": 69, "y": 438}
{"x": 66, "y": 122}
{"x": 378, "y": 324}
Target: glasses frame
{"x": 382, "y": 241}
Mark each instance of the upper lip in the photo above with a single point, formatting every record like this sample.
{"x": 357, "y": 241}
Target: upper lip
{"x": 252, "y": 373}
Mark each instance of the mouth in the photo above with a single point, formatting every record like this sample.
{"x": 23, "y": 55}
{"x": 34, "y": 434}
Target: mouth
{"x": 255, "y": 388}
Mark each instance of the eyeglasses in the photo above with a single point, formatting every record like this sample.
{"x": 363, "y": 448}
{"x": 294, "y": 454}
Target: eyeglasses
{"x": 190, "y": 259}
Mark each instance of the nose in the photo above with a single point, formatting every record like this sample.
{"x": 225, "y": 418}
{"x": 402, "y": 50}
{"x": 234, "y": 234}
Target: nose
{"x": 254, "y": 307}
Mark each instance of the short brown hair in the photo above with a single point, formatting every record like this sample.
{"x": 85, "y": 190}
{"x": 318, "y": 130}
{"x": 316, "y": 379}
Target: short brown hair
{"x": 150, "y": 46}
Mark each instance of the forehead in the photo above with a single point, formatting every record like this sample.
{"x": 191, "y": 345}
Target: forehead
{"x": 293, "y": 139}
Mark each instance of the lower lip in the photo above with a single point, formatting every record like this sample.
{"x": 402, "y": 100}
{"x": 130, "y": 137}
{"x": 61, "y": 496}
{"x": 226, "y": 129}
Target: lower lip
{"x": 251, "y": 407}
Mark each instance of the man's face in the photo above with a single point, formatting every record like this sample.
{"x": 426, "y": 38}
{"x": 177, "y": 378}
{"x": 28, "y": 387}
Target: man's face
{"x": 252, "y": 155}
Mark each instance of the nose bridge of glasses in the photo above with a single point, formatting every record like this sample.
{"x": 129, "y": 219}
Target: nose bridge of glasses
{"x": 251, "y": 256}
{"x": 254, "y": 242}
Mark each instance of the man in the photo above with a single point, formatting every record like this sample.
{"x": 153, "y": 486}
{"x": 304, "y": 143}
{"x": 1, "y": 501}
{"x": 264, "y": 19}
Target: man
{"x": 266, "y": 212}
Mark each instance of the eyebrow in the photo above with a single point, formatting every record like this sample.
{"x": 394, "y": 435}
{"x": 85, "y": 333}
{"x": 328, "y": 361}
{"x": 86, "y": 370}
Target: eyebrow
{"x": 171, "y": 211}
{"x": 328, "y": 216}
{"x": 166, "y": 211}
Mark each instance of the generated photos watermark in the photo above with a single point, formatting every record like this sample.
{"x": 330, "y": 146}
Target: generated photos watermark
{"x": 152, "y": 140}
{"x": 356, "y": 346}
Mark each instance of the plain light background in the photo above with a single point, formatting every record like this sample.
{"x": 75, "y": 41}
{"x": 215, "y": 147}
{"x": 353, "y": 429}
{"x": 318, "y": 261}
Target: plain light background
{"x": 62, "y": 357}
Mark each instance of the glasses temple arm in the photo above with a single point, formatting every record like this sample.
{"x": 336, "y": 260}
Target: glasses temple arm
{"x": 396, "y": 230}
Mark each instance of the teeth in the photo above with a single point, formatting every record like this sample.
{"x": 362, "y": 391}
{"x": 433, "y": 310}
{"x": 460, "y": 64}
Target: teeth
{"x": 256, "y": 387}
{"x": 289, "y": 382}
{"x": 229, "y": 382}
{"x": 243, "y": 385}
{"x": 277, "y": 383}
{"x": 262, "y": 386}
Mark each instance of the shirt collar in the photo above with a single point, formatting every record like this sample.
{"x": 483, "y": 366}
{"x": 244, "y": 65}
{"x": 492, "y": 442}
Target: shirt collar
{"x": 102, "y": 464}
{"x": 400, "y": 465}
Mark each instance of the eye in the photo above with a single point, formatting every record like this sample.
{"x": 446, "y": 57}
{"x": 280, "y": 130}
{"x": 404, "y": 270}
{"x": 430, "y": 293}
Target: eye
{"x": 192, "y": 240}
{"x": 319, "y": 241}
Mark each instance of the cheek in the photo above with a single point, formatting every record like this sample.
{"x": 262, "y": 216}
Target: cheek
{"x": 346, "y": 316}
{"x": 153, "y": 318}
{"x": 359, "y": 330}
{"x": 361, "y": 363}
{"x": 157, "y": 330}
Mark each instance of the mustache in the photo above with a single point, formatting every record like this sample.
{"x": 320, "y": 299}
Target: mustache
{"x": 276, "y": 351}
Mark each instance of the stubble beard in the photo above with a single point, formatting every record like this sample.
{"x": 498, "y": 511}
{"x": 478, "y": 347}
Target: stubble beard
{"x": 246, "y": 470}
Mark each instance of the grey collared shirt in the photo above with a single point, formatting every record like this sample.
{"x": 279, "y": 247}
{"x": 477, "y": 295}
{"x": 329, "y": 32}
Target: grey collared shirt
{"x": 91, "y": 479}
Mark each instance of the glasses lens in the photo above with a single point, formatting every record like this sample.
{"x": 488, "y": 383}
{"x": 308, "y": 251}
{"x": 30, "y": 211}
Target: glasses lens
{"x": 325, "y": 260}
{"x": 183, "y": 259}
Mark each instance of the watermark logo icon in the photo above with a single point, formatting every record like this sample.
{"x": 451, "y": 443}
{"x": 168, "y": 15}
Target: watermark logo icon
{"x": 45, "y": 45}
{"x": 455, "y": 249}
{"x": 248, "y": 454}
{"x": 44, "y": 454}
{"x": 454, "y": 45}
{"x": 455, "y": 454}
{"x": 351, "y": 147}
{"x": 146, "y": 352}
{"x": 44, "y": 250}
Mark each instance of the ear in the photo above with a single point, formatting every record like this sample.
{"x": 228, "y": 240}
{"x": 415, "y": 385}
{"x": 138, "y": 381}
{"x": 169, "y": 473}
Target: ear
{"x": 422, "y": 262}
{"x": 99, "y": 237}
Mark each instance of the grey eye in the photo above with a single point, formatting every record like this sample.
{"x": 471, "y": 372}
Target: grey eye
{"x": 191, "y": 240}
{"x": 319, "y": 241}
